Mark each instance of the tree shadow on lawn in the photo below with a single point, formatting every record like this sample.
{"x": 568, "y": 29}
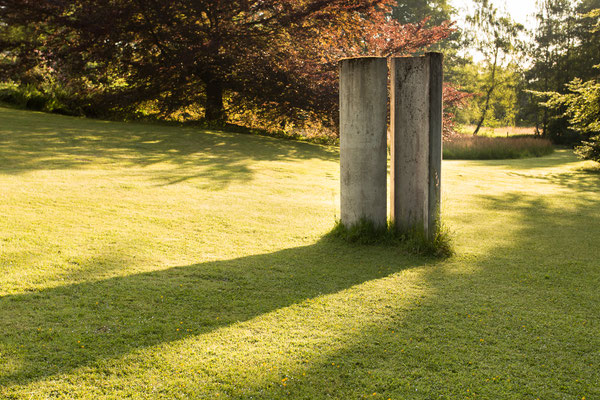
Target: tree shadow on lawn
{"x": 520, "y": 321}
{"x": 36, "y": 141}
{"x": 578, "y": 180}
{"x": 55, "y": 330}
{"x": 560, "y": 157}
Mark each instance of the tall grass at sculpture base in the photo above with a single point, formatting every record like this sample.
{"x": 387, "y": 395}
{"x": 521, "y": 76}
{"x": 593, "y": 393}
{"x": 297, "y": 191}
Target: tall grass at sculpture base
{"x": 414, "y": 241}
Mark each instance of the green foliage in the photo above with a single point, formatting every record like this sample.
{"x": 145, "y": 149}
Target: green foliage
{"x": 40, "y": 98}
{"x": 582, "y": 105}
{"x": 502, "y": 103}
{"x": 495, "y": 36}
{"x": 415, "y": 11}
{"x": 566, "y": 46}
{"x": 590, "y": 149}
{"x": 26, "y": 96}
{"x": 495, "y": 148}
{"x": 415, "y": 241}
{"x": 581, "y": 108}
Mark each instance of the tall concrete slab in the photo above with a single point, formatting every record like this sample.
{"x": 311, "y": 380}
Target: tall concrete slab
{"x": 416, "y": 125}
{"x": 363, "y": 140}
{"x": 436, "y": 81}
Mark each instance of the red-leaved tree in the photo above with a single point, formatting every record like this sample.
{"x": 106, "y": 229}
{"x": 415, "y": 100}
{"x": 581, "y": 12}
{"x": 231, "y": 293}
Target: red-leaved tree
{"x": 453, "y": 99}
{"x": 278, "y": 57}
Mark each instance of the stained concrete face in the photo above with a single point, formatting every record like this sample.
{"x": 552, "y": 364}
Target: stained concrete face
{"x": 363, "y": 140}
{"x": 416, "y": 124}
{"x": 436, "y": 82}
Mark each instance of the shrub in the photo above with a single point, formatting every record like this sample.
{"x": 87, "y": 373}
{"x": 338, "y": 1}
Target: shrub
{"x": 36, "y": 102}
{"x": 25, "y": 96}
{"x": 590, "y": 150}
{"x": 10, "y": 94}
{"x": 495, "y": 148}
{"x": 580, "y": 106}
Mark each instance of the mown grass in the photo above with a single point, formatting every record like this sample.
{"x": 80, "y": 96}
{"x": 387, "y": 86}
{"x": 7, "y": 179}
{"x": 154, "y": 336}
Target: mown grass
{"x": 143, "y": 261}
{"x": 491, "y": 148}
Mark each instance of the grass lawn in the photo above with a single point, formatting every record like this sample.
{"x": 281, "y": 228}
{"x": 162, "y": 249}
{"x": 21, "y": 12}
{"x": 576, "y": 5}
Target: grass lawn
{"x": 143, "y": 261}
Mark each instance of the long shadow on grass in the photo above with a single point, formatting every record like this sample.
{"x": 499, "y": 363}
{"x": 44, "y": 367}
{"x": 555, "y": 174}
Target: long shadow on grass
{"x": 560, "y": 157}
{"x": 577, "y": 180}
{"x": 521, "y": 321}
{"x": 55, "y": 330}
{"x": 32, "y": 141}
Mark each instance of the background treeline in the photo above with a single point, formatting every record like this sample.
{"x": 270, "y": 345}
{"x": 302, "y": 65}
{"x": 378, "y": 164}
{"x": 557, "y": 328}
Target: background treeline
{"x": 272, "y": 64}
{"x": 529, "y": 72}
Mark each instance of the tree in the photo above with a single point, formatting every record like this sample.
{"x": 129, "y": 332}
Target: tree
{"x": 581, "y": 106}
{"x": 277, "y": 56}
{"x": 552, "y": 40}
{"x": 454, "y": 100}
{"x": 415, "y": 11}
{"x": 495, "y": 37}
{"x": 502, "y": 105}
{"x": 566, "y": 45}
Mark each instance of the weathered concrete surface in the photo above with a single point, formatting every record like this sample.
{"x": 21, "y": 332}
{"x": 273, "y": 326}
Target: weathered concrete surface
{"x": 436, "y": 81}
{"x": 416, "y": 123}
{"x": 363, "y": 140}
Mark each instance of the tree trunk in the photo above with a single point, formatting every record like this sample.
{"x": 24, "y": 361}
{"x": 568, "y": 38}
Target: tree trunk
{"x": 537, "y": 116}
{"x": 213, "y": 108}
{"x": 485, "y": 108}
{"x": 489, "y": 93}
{"x": 545, "y": 117}
{"x": 482, "y": 119}
{"x": 545, "y": 123}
